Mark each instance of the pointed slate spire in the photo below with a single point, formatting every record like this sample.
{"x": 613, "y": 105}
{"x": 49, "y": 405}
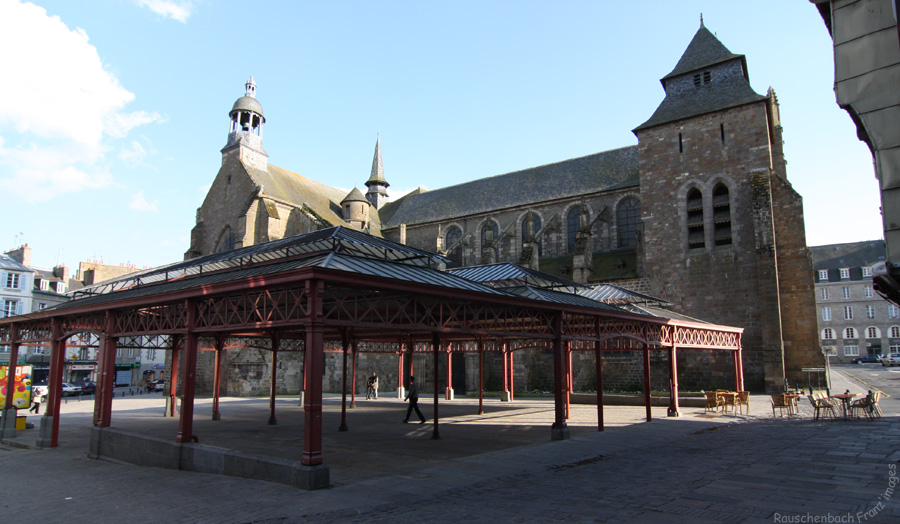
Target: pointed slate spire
{"x": 377, "y": 175}
{"x": 377, "y": 193}
{"x": 705, "y": 50}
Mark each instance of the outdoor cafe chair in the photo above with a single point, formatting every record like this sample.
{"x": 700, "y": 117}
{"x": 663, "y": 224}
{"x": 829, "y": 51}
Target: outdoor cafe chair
{"x": 821, "y": 405}
{"x": 876, "y": 409}
{"x": 781, "y": 402}
{"x": 729, "y": 399}
{"x": 743, "y": 399}
{"x": 713, "y": 401}
{"x": 865, "y": 405}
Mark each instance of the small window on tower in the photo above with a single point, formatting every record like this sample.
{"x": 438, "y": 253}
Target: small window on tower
{"x": 697, "y": 80}
{"x": 707, "y": 76}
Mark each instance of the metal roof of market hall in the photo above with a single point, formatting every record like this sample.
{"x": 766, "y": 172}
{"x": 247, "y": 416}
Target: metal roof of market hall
{"x": 614, "y": 169}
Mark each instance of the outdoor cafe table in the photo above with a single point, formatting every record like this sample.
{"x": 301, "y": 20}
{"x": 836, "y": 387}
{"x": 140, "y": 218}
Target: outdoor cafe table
{"x": 792, "y": 400}
{"x": 845, "y": 399}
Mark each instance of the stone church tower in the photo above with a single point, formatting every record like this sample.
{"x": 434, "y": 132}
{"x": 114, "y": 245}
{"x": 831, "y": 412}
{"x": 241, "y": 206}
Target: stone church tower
{"x": 723, "y": 232}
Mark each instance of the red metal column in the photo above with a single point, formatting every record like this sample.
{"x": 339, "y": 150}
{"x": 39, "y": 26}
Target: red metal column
{"x": 598, "y": 365}
{"x": 673, "y": 384}
{"x": 217, "y": 377}
{"x": 103, "y": 402}
{"x": 568, "y": 377}
{"x": 505, "y": 371}
{"x": 312, "y": 427}
{"x": 273, "y": 379}
{"x": 737, "y": 371}
{"x": 345, "y": 345}
{"x": 740, "y": 363}
{"x": 177, "y": 340}
{"x": 8, "y": 429}
{"x": 186, "y": 422}
{"x": 436, "y": 347}
{"x": 400, "y": 371}
{"x": 481, "y": 376}
{"x": 449, "y": 375}
{"x": 647, "y": 380}
{"x": 57, "y": 356}
{"x": 353, "y": 386}
{"x": 512, "y": 377}
{"x": 559, "y": 430}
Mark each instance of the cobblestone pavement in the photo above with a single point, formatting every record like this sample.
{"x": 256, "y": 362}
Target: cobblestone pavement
{"x": 697, "y": 468}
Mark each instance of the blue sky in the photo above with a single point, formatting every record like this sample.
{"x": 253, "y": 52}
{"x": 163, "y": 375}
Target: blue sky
{"x": 113, "y": 112}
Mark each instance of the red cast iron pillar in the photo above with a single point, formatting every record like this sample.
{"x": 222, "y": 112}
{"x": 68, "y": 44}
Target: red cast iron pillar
{"x": 103, "y": 401}
{"x": 345, "y": 346}
{"x": 598, "y": 364}
{"x": 673, "y": 384}
{"x": 481, "y": 376}
{"x": 353, "y": 385}
{"x": 173, "y": 375}
{"x": 186, "y": 422}
{"x": 312, "y": 427}
{"x": 449, "y": 388}
{"x": 559, "y": 430}
{"x": 436, "y": 346}
{"x": 738, "y": 371}
{"x": 49, "y": 432}
{"x": 647, "y": 380}
{"x": 217, "y": 377}
{"x": 273, "y": 378}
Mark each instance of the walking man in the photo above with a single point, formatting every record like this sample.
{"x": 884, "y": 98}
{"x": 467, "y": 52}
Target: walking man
{"x": 372, "y": 387}
{"x": 413, "y": 397}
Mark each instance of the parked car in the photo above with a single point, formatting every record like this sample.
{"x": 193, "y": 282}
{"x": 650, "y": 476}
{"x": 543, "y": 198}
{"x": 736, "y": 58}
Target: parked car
{"x": 70, "y": 389}
{"x": 867, "y": 359}
{"x": 891, "y": 359}
{"x": 87, "y": 387}
{"x": 156, "y": 385}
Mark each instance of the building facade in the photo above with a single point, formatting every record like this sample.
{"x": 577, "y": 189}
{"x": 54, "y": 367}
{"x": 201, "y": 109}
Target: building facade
{"x": 866, "y": 41}
{"x": 853, "y": 319}
{"x": 699, "y": 213}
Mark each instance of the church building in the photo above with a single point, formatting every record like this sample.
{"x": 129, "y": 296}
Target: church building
{"x": 700, "y": 213}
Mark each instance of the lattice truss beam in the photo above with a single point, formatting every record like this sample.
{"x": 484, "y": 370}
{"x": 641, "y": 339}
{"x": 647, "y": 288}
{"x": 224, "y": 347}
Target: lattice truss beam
{"x": 380, "y": 319}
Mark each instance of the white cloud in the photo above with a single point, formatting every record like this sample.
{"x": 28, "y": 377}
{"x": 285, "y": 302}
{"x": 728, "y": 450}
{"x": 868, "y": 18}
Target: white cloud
{"x": 60, "y": 108}
{"x": 139, "y": 203}
{"x": 175, "y": 10}
{"x": 133, "y": 154}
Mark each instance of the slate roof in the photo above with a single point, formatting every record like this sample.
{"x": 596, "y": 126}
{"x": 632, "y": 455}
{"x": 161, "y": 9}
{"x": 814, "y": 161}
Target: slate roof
{"x": 604, "y": 171}
{"x": 9, "y": 263}
{"x": 610, "y": 294}
{"x": 854, "y": 254}
{"x": 323, "y": 200}
{"x": 507, "y": 274}
{"x": 705, "y": 50}
{"x": 730, "y": 87}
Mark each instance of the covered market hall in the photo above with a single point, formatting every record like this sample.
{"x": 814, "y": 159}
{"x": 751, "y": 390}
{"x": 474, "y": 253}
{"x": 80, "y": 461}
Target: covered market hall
{"x": 338, "y": 290}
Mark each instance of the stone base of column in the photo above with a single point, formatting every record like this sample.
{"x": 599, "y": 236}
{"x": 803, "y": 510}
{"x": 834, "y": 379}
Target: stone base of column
{"x": 449, "y": 394}
{"x": 45, "y": 432}
{"x": 559, "y": 434}
{"x": 8, "y": 423}
{"x": 673, "y": 412}
{"x": 504, "y": 396}
{"x": 401, "y": 392}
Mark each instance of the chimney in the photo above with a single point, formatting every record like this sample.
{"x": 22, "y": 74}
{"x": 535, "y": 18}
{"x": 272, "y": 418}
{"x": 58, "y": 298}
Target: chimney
{"x": 22, "y": 255}
{"x": 61, "y": 272}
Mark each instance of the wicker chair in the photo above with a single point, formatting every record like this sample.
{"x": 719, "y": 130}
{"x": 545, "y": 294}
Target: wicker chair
{"x": 821, "y": 405}
{"x": 781, "y": 402}
{"x": 743, "y": 399}
{"x": 713, "y": 401}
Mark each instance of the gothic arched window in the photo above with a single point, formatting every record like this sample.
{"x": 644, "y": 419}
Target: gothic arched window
{"x": 533, "y": 222}
{"x": 628, "y": 220}
{"x": 695, "y": 231}
{"x": 721, "y": 215}
{"x": 226, "y": 241}
{"x": 454, "y": 247}
{"x": 572, "y": 228}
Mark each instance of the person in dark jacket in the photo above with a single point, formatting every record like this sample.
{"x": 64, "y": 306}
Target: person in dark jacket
{"x": 413, "y": 397}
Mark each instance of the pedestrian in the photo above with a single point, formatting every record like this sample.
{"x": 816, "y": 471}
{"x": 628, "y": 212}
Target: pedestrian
{"x": 413, "y": 397}
{"x": 35, "y": 404}
{"x": 372, "y": 387}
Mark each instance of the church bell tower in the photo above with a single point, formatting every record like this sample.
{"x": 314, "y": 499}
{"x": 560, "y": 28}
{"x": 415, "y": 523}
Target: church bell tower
{"x": 245, "y": 133}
